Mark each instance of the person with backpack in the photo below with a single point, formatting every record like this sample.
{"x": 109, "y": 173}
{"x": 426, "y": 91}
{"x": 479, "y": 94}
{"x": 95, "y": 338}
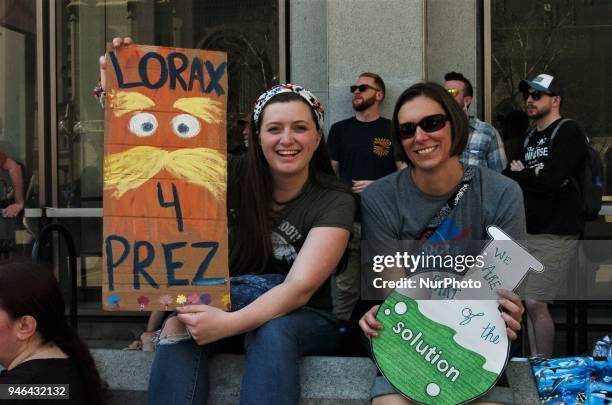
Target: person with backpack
{"x": 550, "y": 171}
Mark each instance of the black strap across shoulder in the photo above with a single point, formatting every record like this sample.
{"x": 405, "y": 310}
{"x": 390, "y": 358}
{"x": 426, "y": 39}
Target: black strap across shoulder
{"x": 552, "y": 136}
{"x": 451, "y": 203}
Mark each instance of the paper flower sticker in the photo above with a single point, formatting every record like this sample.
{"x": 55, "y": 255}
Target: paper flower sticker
{"x": 114, "y": 300}
{"x": 142, "y": 301}
{"x": 181, "y": 299}
{"x": 193, "y": 299}
{"x": 205, "y": 299}
{"x": 165, "y": 300}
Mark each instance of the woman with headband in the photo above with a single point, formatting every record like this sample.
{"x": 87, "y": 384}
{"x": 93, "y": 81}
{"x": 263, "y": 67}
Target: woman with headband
{"x": 290, "y": 217}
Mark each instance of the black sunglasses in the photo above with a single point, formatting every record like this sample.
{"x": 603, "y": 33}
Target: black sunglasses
{"x": 535, "y": 95}
{"x": 362, "y": 88}
{"x": 431, "y": 123}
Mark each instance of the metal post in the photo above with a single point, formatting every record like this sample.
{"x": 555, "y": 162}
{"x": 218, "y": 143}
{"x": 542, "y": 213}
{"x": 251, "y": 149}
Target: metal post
{"x": 72, "y": 268}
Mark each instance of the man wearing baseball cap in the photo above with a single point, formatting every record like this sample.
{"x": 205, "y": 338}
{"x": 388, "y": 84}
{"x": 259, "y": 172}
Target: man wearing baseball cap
{"x": 553, "y": 152}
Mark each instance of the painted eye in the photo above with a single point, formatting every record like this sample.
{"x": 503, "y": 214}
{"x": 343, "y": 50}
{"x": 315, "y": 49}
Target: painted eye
{"x": 143, "y": 124}
{"x": 185, "y": 125}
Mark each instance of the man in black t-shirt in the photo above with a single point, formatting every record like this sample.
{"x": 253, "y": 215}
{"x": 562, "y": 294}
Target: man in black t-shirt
{"x": 552, "y": 202}
{"x": 361, "y": 152}
{"x": 360, "y": 146}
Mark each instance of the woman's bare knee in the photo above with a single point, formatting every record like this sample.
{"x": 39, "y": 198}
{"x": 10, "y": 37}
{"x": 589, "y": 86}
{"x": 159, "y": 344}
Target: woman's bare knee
{"x": 173, "y": 331}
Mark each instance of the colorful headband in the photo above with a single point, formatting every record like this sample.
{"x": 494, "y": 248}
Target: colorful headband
{"x": 313, "y": 102}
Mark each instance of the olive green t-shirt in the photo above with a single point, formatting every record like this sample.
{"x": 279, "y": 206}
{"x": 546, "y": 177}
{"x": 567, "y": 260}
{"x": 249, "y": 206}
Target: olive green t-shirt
{"x": 313, "y": 207}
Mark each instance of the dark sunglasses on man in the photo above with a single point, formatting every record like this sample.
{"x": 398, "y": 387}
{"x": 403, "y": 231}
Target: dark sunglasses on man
{"x": 535, "y": 95}
{"x": 362, "y": 88}
{"x": 431, "y": 123}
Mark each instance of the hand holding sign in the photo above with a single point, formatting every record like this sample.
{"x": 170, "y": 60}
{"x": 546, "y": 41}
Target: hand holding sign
{"x": 513, "y": 311}
{"x": 207, "y": 324}
{"x": 116, "y": 44}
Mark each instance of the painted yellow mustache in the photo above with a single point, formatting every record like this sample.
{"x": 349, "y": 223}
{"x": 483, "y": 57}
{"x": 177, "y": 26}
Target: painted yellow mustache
{"x": 127, "y": 170}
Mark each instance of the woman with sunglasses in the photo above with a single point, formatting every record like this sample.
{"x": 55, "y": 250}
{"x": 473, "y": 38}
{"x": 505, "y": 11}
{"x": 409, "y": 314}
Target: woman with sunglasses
{"x": 430, "y": 131}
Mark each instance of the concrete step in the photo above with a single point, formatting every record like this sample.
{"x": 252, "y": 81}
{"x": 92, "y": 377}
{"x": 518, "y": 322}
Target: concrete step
{"x": 323, "y": 380}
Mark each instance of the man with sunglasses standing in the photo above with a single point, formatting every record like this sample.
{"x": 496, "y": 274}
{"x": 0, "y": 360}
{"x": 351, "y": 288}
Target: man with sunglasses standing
{"x": 485, "y": 147}
{"x": 553, "y": 153}
{"x": 361, "y": 152}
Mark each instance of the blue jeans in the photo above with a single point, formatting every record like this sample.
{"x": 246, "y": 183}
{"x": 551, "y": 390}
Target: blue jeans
{"x": 247, "y": 288}
{"x": 179, "y": 375}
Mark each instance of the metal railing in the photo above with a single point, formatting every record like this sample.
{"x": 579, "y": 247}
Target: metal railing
{"x": 44, "y": 233}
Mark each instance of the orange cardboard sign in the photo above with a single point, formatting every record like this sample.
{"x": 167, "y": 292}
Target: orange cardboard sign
{"x": 165, "y": 219}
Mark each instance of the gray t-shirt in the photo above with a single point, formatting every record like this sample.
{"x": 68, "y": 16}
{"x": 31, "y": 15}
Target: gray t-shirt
{"x": 393, "y": 208}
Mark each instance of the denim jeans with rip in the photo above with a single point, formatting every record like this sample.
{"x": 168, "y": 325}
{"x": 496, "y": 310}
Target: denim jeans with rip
{"x": 180, "y": 374}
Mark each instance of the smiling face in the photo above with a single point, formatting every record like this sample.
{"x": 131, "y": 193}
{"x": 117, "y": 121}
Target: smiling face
{"x": 288, "y": 138}
{"x": 427, "y": 151}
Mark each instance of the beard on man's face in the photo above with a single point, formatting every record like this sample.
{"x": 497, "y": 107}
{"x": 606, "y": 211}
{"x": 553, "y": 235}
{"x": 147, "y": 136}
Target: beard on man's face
{"x": 536, "y": 113}
{"x": 363, "y": 103}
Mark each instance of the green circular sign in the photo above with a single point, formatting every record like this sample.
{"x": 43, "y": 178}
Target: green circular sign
{"x": 440, "y": 352}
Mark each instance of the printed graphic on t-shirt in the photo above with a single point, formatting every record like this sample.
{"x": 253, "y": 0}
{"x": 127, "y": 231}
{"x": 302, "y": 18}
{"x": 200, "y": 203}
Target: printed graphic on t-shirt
{"x": 537, "y": 151}
{"x": 290, "y": 231}
{"x": 449, "y": 230}
{"x": 381, "y": 146}
{"x": 283, "y": 250}
{"x": 534, "y": 155}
